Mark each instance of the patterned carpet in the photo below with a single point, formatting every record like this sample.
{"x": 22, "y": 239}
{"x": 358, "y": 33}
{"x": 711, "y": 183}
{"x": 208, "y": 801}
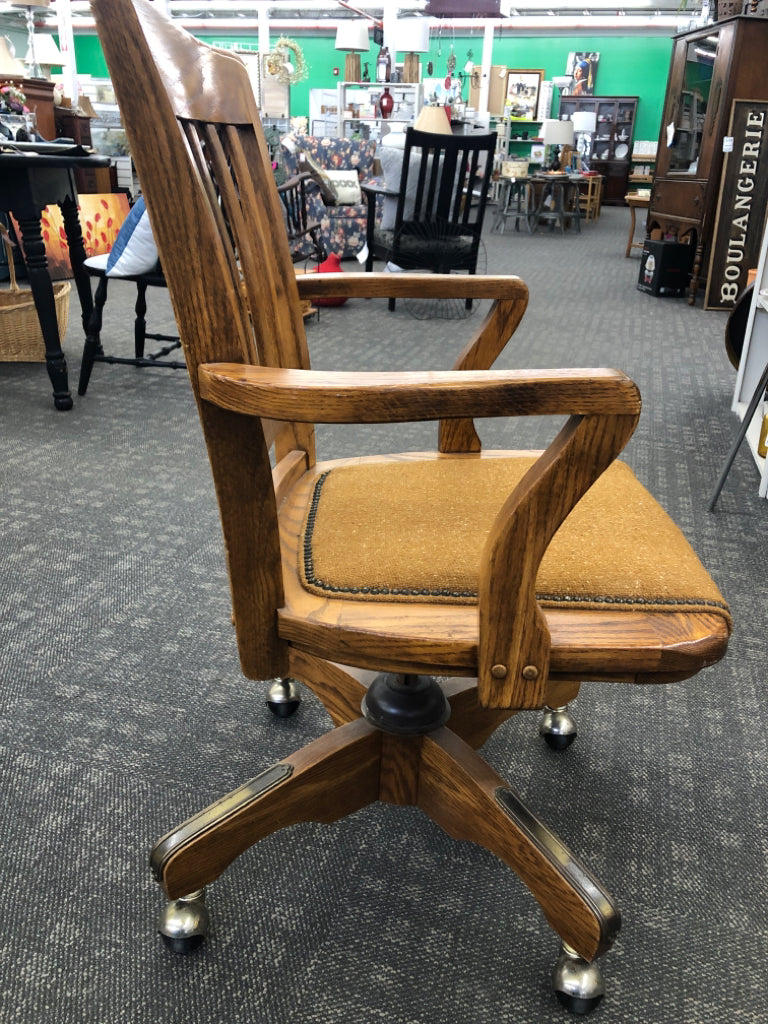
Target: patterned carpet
{"x": 123, "y": 710}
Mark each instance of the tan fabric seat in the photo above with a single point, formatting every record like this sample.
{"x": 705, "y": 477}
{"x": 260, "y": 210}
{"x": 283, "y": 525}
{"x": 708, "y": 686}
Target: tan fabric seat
{"x": 415, "y": 532}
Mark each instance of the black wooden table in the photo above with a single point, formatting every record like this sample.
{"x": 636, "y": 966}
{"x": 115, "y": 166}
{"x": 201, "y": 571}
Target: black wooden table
{"x": 30, "y": 181}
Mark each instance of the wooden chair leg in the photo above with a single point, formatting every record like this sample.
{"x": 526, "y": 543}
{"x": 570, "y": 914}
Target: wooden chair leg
{"x": 340, "y": 689}
{"x": 325, "y": 781}
{"x": 475, "y": 724}
{"x": 463, "y": 795}
{"x": 92, "y": 347}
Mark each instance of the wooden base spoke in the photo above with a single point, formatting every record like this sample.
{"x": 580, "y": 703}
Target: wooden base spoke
{"x": 325, "y": 781}
{"x": 463, "y": 795}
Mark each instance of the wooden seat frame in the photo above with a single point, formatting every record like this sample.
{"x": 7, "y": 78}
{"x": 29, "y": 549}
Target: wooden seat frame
{"x": 198, "y": 145}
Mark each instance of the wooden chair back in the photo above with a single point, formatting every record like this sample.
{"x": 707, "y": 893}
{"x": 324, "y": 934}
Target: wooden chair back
{"x": 201, "y": 161}
{"x": 207, "y": 179}
{"x": 444, "y": 185}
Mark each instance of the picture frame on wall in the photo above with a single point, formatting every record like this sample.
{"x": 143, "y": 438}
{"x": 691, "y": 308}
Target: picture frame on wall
{"x": 582, "y": 69}
{"x": 523, "y": 93}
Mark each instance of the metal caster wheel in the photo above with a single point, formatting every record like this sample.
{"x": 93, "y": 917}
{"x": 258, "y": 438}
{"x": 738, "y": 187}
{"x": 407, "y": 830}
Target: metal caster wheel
{"x": 283, "y": 697}
{"x": 183, "y": 923}
{"x": 557, "y": 727}
{"x": 578, "y": 985}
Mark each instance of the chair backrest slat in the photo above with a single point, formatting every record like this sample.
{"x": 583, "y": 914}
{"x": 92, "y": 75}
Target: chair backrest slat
{"x": 234, "y": 292}
{"x": 450, "y": 171}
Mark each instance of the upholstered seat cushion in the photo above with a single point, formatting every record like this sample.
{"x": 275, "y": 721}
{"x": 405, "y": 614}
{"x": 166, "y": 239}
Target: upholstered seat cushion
{"x": 405, "y": 531}
{"x": 426, "y": 249}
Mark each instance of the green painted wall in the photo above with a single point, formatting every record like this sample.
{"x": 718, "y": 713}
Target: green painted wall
{"x": 629, "y": 65}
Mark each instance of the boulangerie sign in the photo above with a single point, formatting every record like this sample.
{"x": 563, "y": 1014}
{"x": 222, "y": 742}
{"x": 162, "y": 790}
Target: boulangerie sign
{"x": 741, "y": 208}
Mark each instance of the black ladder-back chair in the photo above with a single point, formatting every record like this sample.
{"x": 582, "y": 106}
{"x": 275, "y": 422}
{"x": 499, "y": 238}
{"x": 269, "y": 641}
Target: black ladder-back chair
{"x": 441, "y": 203}
{"x": 93, "y": 350}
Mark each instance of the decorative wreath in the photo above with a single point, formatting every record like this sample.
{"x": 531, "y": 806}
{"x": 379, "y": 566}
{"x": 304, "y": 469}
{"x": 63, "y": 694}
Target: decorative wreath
{"x": 286, "y": 55}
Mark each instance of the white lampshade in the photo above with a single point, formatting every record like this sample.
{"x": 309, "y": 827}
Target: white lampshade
{"x": 557, "y": 133}
{"x": 561, "y": 81}
{"x": 412, "y": 35}
{"x": 9, "y": 66}
{"x": 352, "y": 36}
{"x": 46, "y": 51}
{"x": 434, "y": 120}
{"x": 584, "y": 121}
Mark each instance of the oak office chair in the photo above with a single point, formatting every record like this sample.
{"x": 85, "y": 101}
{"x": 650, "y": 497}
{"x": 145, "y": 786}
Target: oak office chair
{"x": 515, "y": 610}
{"x": 436, "y": 222}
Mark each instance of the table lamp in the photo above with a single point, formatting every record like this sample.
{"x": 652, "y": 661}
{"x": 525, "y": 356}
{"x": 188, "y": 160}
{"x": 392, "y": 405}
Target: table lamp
{"x": 29, "y": 5}
{"x": 434, "y": 120}
{"x": 412, "y": 38}
{"x": 44, "y": 55}
{"x": 9, "y": 66}
{"x": 556, "y": 134}
{"x": 352, "y": 36}
{"x": 584, "y": 124}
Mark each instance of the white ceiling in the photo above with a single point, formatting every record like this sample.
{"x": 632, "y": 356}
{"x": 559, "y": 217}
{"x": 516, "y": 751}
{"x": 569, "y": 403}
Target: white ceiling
{"x": 526, "y": 16}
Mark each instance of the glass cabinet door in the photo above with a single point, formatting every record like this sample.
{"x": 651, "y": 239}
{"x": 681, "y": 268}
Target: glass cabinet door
{"x": 692, "y": 105}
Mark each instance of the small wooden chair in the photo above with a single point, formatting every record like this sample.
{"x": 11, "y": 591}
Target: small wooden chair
{"x": 303, "y": 234}
{"x": 514, "y": 576}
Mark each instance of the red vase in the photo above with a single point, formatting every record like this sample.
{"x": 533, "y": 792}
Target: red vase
{"x": 330, "y": 266}
{"x": 386, "y": 103}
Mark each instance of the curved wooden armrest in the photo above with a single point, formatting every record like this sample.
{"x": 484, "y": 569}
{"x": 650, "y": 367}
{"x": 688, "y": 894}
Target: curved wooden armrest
{"x": 292, "y": 182}
{"x": 377, "y": 190}
{"x": 439, "y": 286}
{"x": 316, "y": 396}
{"x": 510, "y": 300}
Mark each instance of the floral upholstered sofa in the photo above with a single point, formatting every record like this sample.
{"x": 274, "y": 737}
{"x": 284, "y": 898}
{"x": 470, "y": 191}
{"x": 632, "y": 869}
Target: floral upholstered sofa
{"x": 342, "y": 223}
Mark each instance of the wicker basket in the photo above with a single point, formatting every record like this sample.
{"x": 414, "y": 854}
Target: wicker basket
{"x": 21, "y": 339}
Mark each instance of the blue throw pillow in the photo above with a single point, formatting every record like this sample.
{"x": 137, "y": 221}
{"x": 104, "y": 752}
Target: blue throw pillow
{"x": 134, "y": 251}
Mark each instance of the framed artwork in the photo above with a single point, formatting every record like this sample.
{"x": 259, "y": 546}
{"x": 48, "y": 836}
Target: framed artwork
{"x": 101, "y": 217}
{"x": 582, "y": 69}
{"x": 523, "y": 94}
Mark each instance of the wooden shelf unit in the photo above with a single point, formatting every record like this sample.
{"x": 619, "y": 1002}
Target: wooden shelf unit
{"x": 611, "y": 142}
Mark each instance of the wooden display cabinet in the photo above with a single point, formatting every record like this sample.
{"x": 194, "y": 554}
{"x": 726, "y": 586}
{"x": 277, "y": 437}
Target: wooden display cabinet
{"x": 609, "y": 149}
{"x": 711, "y": 67}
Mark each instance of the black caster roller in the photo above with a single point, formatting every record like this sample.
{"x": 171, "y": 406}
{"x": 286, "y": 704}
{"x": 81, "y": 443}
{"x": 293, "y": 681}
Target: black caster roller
{"x": 578, "y": 984}
{"x": 283, "y": 697}
{"x": 558, "y": 728}
{"x": 183, "y": 923}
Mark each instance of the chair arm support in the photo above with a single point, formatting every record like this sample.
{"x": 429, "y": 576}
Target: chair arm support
{"x": 514, "y": 641}
{"x": 313, "y": 396}
{"x": 439, "y": 286}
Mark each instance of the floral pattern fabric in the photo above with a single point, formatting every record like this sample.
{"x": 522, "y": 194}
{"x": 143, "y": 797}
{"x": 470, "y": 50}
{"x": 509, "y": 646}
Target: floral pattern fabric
{"x": 342, "y": 227}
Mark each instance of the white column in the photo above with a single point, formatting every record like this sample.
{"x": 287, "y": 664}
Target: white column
{"x": 485, "y": 72}
{"x": 67, "y": 48}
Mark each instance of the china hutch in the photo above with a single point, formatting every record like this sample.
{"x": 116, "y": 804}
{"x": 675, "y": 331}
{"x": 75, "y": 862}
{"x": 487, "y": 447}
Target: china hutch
{"x": 608, "y": 149}
{"x": 710, "y": 67}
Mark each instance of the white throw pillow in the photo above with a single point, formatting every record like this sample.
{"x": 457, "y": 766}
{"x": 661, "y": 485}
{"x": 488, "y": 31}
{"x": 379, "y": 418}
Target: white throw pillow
{"x": 134, "y": 251}
{"x": 346, "y": 187}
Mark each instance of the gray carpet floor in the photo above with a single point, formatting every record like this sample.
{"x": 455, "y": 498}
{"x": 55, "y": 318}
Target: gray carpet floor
{"x": 123, "y": 710}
